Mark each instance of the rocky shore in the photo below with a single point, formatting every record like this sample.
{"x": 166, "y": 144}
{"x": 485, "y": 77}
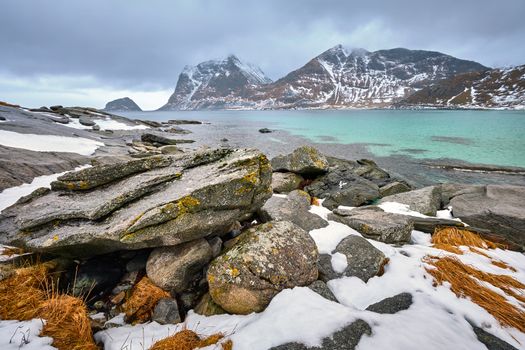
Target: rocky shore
{"x": 298, "y": 251}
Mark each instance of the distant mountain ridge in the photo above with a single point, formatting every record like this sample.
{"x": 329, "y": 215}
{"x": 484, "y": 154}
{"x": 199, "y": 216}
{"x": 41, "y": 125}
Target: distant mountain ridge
{"x": 337, "y": 78}
{"x": 122, "y": 104}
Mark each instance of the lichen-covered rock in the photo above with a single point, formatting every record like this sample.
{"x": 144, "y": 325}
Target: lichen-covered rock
{"x": 207, "y": 307}
{"x": 267, "y": 259}
{"x": 285, "y": 182}
{"x": 293, "y": 208}
{"x": 196, "y": 195}
{"x": 173, "y": 268}
{"x": 426, "y": 200}
{"x": 497, "y": 208}
{"x": 303, "y": 160}
{"x": 364, "y": 260}
{"x": 372, "y": 222}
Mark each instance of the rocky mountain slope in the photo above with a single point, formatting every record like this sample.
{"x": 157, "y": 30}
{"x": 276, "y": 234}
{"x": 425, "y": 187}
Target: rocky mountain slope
{"x": 215, "y": 84}
{"x": 337, "y": 78}
{"x": 495, "y": 88}
{"x": 122, "y": 104}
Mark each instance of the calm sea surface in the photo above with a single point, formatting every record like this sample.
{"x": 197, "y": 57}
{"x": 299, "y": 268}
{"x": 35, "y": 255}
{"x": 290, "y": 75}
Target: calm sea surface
{"x": 481, "y": 137}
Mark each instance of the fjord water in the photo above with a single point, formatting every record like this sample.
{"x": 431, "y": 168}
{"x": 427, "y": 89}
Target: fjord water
{"x": 476, "y": 136}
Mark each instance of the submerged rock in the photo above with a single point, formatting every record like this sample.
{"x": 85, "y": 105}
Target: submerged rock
{"x": 173, "y": 268}
{"x": 293, "y": 208}
{"x": 372, "y": 222}
{"x": 267, "y": 259}
{"x": 286, "y": 182}
{"x": 304, "y": 160}
{"x": 497, "y": 208}
{"x": 197, "y": 195}
{"x": 426, "y": 200}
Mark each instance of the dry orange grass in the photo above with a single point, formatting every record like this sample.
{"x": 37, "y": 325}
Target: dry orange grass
{"x": 315, "y": 201}
{"x": 188, "y": 340}
{"x": 30, "y": 293}
{"x": 144, "y": 297}
{"x": 467, "y": 281}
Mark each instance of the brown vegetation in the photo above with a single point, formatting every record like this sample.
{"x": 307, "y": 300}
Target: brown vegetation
{"x": 144, "y": 297}
{"x": 469, "y": 282}
{"x": 30, "y": 293}
{"x": 189, "y": 340}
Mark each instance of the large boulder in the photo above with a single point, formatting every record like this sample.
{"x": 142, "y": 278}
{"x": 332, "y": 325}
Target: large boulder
{"x": 372, "y": 222}
{"x": 293, "y": 208}
{"x": 267, "y": 259}
{"x": 196, "y": 195}
{"x": 497, "y": 208}
{"x": 426, "y": 200}
{"x": 304, "y": 160}
{"x": 174, "y": 268}
{"x": 286, "y": 182}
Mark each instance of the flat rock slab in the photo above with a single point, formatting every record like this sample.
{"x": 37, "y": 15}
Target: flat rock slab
{"x": 426, "y": 200}
{"x": 304, "y": 160}
{"x": 374, "y": 223}
{"x": 286, "y": 182}
{"x": 197, "y": 195}
{"x": 497, "y": 208}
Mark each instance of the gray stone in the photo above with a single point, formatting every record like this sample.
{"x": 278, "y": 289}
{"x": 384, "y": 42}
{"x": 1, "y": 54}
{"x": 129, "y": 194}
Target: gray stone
{"x": 326, "y": 272}
{"x": 96, "y": 127}
{"x": 303, "y": 160}
{"x": 393, "y": 188}
{"x": 161, "y": 140}
{"x": 344, "y": 339}
{"x": 216, "y": 246}
{"x": 372, "y": 222}
{"x": 322, "y": 289}
{"x": 174, "y": 268}
{"x": 497, "y": 208}
{"x": 195, "y": 196}
{"x": 166, "y": 312}
{"x": 293, "y": 208}
{"x": 426, "y": 200}
{"x": 364, "y": 260}
{"x": 86, "y": 121}
{"x": 490, "y": 341}
{"x": 207, "y": 307}
{"x": 267, "y": 259}
{"x": 392, "y": 305}
{"x": 285, "y": 182}
{"x": 170, "y": 149}
{"x": 265, "y": 131}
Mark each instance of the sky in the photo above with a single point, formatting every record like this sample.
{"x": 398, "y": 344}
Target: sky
{"x": 87, "y": 53}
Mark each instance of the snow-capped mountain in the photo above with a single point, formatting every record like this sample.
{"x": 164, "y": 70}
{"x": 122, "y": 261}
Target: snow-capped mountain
{"x": 215, "y": 84}
{"x": 495, "y": 88}
{"x": 337, "y": 78}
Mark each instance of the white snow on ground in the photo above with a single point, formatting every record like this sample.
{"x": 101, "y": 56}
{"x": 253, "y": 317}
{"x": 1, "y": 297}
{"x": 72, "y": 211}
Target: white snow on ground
{"x": 49, "y": 143}
{"x": 23, "y": 335}
{"x": 10, "y": 195}
{"x": 105, "y": 124}
{"x": 403, "y": 209}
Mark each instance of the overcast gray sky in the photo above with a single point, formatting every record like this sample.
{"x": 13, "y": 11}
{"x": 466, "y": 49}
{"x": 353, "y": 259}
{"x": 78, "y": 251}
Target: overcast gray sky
{"x": 89, "y": 52}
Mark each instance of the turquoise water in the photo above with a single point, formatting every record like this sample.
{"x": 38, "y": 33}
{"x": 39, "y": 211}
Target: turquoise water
{"x": 484, "y": 137}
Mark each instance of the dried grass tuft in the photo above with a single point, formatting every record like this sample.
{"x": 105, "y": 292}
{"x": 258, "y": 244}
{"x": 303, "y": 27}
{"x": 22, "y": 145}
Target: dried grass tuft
{"x": 456, "y": 237}
{"x": 469, "y": 282}
{"x": 187, "y": 340}
{"x": 30, "y": 293}
{"x": 144, "y": 297}
{"x": 227, "y": 345}
{"x": 315, "y": 201}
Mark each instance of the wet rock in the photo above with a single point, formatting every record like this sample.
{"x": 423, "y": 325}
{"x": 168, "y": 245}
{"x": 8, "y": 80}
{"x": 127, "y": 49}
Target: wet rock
{"x": 344, "y": 339}
{"x": 392, "y": 305}
{"x": 393, "y": 188}
{"x": 265, "y": 131}
{"x": 364, "y": 260}
{"x": 304, "y": 160}
{"x": 2, "y": 118}
{"x": 267, "y": 259}
{"x": 166, "y": 312}
{"x": 293, "y": 208}
{"x": 182, "y": 121}
{"x": 426, "y": 200}
{"x": 161, "y": 140}
{"x": 173, "y": 268}
{"x": 285, "y": 182}
{"x": 150, "y": 123}
{"x": 372, "y": 222}
{"x": 368, "y": 169}
{"x": 56, "y": 107}
{"x": 196, "y": 195}
{"x": 322, "y": 289}
{"x": 497, "y": 208}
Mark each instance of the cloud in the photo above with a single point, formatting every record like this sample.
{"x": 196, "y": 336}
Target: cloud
{"x": 140, "y": 47}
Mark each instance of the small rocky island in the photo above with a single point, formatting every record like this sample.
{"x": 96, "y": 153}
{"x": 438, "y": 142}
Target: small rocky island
{"x": 222, "y": 244}
{"x": 122, "y": 104}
